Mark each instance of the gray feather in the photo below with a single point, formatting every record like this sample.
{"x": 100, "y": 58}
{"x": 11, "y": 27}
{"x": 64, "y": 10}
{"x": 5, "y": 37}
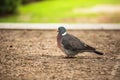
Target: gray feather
{"x": 72, "y": 43}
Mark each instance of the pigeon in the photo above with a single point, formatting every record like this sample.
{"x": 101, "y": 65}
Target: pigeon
{"x": 71, "y": 45}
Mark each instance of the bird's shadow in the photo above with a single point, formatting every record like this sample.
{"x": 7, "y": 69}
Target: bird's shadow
{"x": 56, "y": 57}
{"x": 65, "y": 57}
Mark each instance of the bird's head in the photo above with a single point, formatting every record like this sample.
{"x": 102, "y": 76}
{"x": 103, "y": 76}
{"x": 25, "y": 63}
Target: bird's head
{"x": 62, "y": 30}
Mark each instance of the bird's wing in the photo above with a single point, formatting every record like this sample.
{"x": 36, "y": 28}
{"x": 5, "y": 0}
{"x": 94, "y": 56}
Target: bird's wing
{"x": 71, "y": 42}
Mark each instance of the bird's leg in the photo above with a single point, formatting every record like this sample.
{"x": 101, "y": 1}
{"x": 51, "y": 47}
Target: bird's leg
{"x": 69, "y": 57}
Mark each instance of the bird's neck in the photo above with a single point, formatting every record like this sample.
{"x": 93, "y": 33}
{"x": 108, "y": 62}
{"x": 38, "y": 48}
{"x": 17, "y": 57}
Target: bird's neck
{"x": 64, "y": 33}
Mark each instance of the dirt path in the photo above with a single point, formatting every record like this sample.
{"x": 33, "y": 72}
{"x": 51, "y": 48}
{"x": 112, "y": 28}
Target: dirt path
{"x": 105, "y": 14}
{"x": 99, "y": 9}
{"x": 33, "y": 55}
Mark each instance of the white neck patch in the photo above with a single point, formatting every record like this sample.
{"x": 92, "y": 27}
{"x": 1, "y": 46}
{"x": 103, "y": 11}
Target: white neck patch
{"x": 64, "y": 33}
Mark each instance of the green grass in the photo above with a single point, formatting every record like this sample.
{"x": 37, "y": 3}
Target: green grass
{"x": 54, "y": 10}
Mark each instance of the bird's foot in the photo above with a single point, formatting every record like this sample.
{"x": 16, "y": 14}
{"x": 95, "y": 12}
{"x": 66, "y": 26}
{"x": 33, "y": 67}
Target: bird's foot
{"x": 69, "y": 57}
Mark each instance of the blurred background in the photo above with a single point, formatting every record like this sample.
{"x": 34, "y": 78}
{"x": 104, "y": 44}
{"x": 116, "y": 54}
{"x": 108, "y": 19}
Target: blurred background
{"x": 60, "y": 11}
{"x": 33, "y": 54}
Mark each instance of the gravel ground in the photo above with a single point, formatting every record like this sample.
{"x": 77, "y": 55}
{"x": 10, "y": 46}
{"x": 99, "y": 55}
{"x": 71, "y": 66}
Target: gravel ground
{"x": 33, "y": 55}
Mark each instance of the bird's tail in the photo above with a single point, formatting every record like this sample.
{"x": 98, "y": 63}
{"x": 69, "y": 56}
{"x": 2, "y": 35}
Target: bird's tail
{"x": 99, "y": 53}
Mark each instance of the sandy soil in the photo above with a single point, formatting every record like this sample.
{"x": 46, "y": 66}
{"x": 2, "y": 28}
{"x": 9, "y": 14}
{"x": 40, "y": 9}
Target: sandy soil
{"x": 102, "y": 18}
{"x": 33, "y": 55}
{"x": 107, "y": 14}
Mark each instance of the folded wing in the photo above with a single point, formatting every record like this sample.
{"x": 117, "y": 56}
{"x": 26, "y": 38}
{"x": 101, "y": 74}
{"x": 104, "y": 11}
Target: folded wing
{"x": 72, "y": 43}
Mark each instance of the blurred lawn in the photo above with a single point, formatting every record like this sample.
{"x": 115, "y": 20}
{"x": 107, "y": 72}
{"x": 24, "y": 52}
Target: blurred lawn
{"x": 55, "y": 10}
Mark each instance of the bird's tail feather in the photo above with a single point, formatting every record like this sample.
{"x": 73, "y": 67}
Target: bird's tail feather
{"x": 97, "y": 52}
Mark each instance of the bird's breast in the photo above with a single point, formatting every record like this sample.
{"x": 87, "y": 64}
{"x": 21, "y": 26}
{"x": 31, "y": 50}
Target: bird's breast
{"x": 59, "y": 37}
